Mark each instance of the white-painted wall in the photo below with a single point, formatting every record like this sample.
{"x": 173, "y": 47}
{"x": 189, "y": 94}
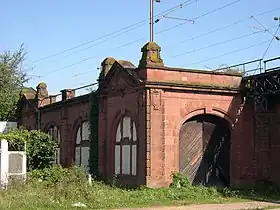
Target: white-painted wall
{"x": 5, "y": 154}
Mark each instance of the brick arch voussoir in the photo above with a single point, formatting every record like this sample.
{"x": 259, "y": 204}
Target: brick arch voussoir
{"x": 213, "y": 111}
{"x": 119, "y": 115}
{"x": 49, "y": 124}
{"x": 77, "y": 123}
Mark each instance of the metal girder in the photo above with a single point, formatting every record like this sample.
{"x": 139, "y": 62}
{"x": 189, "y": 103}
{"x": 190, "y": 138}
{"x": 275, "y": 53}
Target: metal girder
{"x": 261, "y": 87}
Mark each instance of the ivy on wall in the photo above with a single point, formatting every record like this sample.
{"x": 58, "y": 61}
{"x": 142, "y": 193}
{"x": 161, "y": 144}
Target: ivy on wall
{"x": 93, "y": 123}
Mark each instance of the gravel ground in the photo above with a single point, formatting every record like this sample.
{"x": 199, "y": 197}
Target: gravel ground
{"x": 232, "y": 206}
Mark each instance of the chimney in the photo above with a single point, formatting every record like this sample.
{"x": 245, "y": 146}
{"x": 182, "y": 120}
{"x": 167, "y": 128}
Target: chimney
{"x": 67, "y": 94}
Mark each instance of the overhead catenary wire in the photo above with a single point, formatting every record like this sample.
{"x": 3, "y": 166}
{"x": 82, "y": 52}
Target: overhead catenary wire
{"x": 183, "y": 4}
{"x": 220, "y": 43}
{"x": 262, "y": 25}
{"x": 183, "y": 23}
{"x": 266, "y": 50}
{"x": 225, "y": 54}
{"x": 210, "y": 31}
{"x": 93, "y": 45}
{"x": 86, "y": 72}
{"x": 219, "y": 55}
{"x": 236, "y": 22}
{"x": 229, "y": 53}
{"x": 140, "y": 23}
{"x": 71, "y": 65}
{"x": 86, "y": 43}
{"x": 202, "y": 15}
{"x": 228, "y": 25}
{"x": 193, "y": 38}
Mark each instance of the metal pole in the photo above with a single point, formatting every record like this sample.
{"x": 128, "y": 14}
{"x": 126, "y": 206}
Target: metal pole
{"x": 151, "y": 20}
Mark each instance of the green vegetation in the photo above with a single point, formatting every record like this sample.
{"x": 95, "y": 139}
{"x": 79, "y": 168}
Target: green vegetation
{"x": 40, "y": 147}
{"x": 58, "y": 188}
{"x": 11, "y": 83}
{"x": 231, "y": 70}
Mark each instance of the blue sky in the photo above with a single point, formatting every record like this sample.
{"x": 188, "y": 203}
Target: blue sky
{"x": 47, "y": 27}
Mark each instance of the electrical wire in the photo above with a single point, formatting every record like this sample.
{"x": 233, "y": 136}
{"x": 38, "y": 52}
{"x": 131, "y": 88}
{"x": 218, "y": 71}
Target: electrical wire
{"x": 240, "y": 37}
{"x": 229, "y": 25}
{"x": 216, "y": 44}
{"x": 262, "y": 25}
{"x": 266, "y": 50}
{"x": 71, "y": 65}
{"x": 270, "y": 42}
{"x": 126, "y": 31}
{"x": 229, "y": 53}
{"x": 83, "y": 73}
{"x": 140, "y": 23}
{"x": 183, "y": 23}
{"x": 220, "y": 43}
{"x": 96, "y": 44}
{"x": 81, "y": 61}
{"x": 204, "y": 14}
{"x": 211, "y": 31}
{"x": 200, "y": 16}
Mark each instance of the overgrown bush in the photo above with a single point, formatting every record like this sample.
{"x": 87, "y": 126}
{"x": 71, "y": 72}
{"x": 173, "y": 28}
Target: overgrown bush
{"x": 56, "y": 174}
{"x": 180, "y": 180}
{"x": 40, "y": 147}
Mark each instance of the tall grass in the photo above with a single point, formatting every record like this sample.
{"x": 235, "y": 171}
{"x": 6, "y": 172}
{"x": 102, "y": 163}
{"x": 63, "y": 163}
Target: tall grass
{"x": 58, "y": 188}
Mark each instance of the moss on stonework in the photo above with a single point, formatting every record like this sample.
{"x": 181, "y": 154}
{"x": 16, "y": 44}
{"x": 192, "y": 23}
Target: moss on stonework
{"x": 106, "y": 66}
{"x": 42, "y": 84}
{"x": 151, "y": 56}
{"x": 197, "y": 84}
{"x": 109, "y": 60}
{"x": 151, "y": 46}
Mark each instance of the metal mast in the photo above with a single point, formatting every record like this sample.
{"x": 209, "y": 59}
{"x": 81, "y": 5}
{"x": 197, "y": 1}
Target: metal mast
{"x": 152, "y": 19}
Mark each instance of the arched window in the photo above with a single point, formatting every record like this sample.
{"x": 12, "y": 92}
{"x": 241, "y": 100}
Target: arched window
{"x": 126, "y": 147}
{"x": 55, "y": 133}
{"x": 82, "y": 146}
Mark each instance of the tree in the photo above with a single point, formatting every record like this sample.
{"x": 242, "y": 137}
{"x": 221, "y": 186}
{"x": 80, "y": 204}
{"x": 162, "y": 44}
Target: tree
{"x": 12, "y": 79}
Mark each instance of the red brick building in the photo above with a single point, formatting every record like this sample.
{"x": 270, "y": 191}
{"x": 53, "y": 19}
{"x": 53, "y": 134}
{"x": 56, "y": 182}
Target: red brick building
{"x": 155, "y": 120}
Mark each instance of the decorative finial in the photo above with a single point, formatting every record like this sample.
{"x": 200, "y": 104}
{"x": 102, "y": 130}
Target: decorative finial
{"x": 106, "y": 65}
{"x": 151, "y": 56}
{"x": 42, "y": 90}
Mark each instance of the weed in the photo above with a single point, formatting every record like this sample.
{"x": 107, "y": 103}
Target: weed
{"x": 58, "y": 188}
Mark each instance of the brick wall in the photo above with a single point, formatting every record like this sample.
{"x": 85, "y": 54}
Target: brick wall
{"x": 176, "y": 97}
{"x": 165, "y": 99}
{"x": 114, "y": 106}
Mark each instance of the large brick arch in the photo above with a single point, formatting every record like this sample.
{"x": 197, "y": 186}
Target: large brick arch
{"x": 205, "y": 127}
{"x": 213, "y": 111}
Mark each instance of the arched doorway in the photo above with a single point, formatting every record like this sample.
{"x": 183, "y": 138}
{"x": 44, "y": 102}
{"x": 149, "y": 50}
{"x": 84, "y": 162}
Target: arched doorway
{"x": 204, "y": 154}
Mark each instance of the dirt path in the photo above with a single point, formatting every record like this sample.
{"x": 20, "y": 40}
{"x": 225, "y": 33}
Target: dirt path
{"x": 231, "y": 206}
